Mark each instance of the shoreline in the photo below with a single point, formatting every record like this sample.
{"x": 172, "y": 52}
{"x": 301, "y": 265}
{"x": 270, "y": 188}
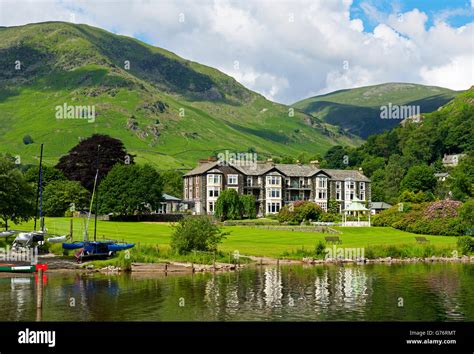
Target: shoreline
{"x": 59, "y": 264}
{"x": 172, "y": 267}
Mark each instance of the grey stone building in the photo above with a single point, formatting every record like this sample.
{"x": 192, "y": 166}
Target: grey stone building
{"x": 273, "y": 185}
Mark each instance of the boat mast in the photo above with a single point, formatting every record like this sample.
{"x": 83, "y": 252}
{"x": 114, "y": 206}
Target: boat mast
{"x": 97, "y": 197}
{"x": 39, "y": 189}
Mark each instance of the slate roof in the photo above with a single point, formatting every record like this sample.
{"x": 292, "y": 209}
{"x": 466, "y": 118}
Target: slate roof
{"x": 341, "y": 175}
{"x": 289, "y": 170}
{"x": 170, "y": 198}
{"x": 380, "y": 205}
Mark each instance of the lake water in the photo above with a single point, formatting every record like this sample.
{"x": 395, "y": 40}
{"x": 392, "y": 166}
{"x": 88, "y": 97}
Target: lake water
{"x": 429, "y": 292}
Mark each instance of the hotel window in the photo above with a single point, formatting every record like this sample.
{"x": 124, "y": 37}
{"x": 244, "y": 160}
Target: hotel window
{"x": 322, "y": 182}
{"x": 273, "y": 207}
{"x": 232, "y": 179}
{"x": 338, "y": 185}
{"x": 338, "y": 195}
{"x": 273, "y": 193}
{"x": 210, "y": 207}
{"x": 362, "y": 195}
{"x": 361, "y": 185}
{"x": 213, "y": 192}
{"x": 321, "y": 194}
{"x": 349, "y": 184}
{"x": 249, "y": 181}
{"x": 273, "y": 180}
{"x": 213, "y": 179}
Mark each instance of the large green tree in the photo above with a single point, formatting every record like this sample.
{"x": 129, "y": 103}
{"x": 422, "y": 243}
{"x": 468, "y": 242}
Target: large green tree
{"x": 16, "y": 194}
{"x": 229, "y": 205}
{"x": 249, "y": 206}
{"x": 196, "y": 233}
{"x": 461, "y": 181}
{"x": 172, "y": 183}
{"x": 130, "y": 189}
{"x": 50, "y": 174}
{"x": 419, "y": 178}
{"x": 60, "y": 196}
{"x": 80, "y": 164}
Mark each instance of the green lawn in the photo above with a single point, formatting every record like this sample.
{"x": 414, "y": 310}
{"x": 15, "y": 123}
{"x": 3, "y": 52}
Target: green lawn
{"x": 247, "y": 240}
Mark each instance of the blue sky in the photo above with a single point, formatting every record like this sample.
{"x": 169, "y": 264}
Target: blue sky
{"x": 289, "y": 50}
{"x": 457, "y": 12}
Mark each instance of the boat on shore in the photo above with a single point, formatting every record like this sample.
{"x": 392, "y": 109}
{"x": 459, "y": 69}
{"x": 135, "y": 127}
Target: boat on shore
{"x": 95, "y": 249}
{"x": 18, "y": 268}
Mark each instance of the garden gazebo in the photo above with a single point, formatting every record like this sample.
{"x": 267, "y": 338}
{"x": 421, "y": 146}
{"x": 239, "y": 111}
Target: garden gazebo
{"x": 356, "y": 207}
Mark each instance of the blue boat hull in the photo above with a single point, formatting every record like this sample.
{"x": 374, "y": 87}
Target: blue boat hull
{"x": 112, "y": 246}
{"x": 115, "y": 247}
{"x": 73, "y": 246}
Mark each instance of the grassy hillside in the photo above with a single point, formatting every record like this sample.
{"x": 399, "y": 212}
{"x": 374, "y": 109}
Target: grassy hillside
{"x": 166, "y": 110}
{"x": 358, "y": 110}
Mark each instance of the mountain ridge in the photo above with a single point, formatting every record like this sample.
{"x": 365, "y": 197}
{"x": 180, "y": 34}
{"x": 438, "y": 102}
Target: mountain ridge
{"x": 357, "y": 110}
{"x": 166, "y": 109}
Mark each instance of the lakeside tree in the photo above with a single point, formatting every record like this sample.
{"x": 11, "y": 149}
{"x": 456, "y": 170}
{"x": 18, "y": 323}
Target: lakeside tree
{"x": 60, "y": 196}
{"x": 50, "y": 174}
{"x": 16, "y": 194}
{"x": 130, "y": 189}
{"x": 249, "y": 209}
{"x": 300, "y": 211}
{"x": 197, "y": 233}
{"x": 228, "y": 205}
{"x": 80, "y": 164}
{"x": 172, "y": 183}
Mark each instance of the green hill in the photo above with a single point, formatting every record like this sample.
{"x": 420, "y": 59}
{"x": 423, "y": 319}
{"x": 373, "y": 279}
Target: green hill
{"x": 167, "y": 110}
{"x": 358, "y": 110}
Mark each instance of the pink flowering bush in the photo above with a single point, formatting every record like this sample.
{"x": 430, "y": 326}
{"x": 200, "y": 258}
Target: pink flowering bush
{"x": 442, "y": 209}
{"x": 435, "y": 218}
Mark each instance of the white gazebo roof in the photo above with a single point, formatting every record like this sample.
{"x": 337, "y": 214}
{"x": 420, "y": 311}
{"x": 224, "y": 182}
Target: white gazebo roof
{"x": 356, "y": 205}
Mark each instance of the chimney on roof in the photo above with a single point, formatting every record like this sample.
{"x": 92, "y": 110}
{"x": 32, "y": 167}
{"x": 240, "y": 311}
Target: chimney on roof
{"x": 270, "y": 161}
{"x": 360, "y": 170}
{"x": 314, "y": 163}
{"x": 209, "y": 159}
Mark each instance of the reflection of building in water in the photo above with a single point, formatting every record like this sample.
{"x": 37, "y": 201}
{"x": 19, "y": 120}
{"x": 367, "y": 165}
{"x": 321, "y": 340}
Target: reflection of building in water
{"x": 346, "y": 287}
{"x": 21, "y": 294}
{"x": 321, "y": 293}
{"x": 273, "y": 287}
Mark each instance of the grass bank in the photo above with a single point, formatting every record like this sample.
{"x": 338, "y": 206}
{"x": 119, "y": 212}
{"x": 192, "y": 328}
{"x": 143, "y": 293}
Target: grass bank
{"x": 255, "y": 241}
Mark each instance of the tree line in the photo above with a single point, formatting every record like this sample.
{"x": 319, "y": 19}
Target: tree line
{"x": 125, "y": 187}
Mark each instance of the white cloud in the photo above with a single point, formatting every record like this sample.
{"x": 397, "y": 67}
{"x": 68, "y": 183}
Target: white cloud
{"x": 286, "y": 49}
{"x": 452, "y": 74}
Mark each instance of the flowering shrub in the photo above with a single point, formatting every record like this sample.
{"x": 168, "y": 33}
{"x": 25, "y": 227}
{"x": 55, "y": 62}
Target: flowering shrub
{"x": 299, "y": 212}
{"x": 442, "y": 209}
{"x": 435, "y": 218}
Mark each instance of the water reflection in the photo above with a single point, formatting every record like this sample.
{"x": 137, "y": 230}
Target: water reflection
{"x": 430, "y": 292}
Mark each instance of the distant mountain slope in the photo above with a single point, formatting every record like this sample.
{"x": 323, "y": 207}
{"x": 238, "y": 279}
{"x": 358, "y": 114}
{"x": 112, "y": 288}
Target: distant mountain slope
{"x": 167, "y": 110}
{"x": 358, "y": 110}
